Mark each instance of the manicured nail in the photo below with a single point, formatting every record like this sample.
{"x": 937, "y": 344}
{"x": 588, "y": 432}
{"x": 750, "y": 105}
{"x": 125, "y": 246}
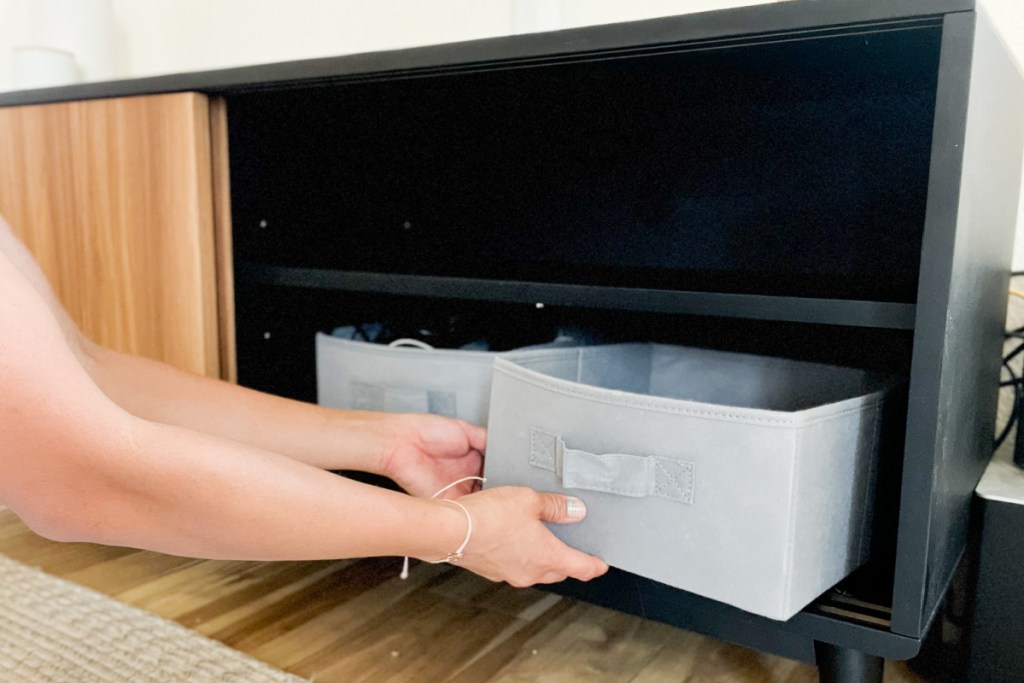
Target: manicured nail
{"x": 575, "y": 508}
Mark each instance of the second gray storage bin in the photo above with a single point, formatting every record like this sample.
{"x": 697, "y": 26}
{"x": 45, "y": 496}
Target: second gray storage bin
{"x": 411, "y": 377}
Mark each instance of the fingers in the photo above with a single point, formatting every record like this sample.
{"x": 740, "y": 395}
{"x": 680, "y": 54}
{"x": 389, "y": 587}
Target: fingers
{"x": 559, "y": 576}
{"x": 565, "y": 562}
{"x": 570, "y": 564}
{"x": 513, "y": 545}
{"x": 477, "y": 436}
{"x": 560, "y": 509}
{"x": 582, "y": 566}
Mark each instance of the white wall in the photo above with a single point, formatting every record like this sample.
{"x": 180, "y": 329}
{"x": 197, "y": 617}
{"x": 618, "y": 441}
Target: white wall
{"x": 166, "y": 36}
{"x": 15, "y": 28}
{"x": 169, "y": 36}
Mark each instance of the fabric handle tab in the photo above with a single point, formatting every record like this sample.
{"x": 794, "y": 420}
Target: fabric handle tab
{"x": 402, "y": 400}
{"x": 633, "y": 476}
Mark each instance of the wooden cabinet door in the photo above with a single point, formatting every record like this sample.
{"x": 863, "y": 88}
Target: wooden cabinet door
{"x": 115, "y": 199}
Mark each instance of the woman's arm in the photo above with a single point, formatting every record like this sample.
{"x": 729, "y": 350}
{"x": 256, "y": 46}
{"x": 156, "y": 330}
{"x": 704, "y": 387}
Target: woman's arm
{"x": 76, "y": 466}
{"x": 422, "y": 453}
{"x": 380, "y": 443}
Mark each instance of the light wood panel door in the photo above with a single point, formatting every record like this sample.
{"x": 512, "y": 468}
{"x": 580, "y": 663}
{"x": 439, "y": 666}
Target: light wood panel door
{"x": 115, "y": 199}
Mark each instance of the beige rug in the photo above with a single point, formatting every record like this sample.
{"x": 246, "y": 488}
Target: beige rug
{"x": 53, "y": 631}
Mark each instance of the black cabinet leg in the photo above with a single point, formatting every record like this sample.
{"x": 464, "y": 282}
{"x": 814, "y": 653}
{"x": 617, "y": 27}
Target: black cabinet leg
{"x": 842, "y": 665}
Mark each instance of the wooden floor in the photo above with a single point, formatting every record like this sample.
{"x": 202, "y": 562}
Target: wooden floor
{"x": 356, "y": 621}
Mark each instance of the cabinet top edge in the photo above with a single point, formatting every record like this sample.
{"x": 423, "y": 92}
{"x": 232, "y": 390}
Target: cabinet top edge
{"x": 754, "y": 22}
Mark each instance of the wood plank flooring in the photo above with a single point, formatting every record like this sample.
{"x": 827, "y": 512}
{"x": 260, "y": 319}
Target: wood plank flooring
{"x": 353, "y": 621}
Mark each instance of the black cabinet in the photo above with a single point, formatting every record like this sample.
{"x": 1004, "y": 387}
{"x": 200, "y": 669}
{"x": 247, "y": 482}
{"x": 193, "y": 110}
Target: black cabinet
{"x": 831, "y": 181}
{"x": 826, "y": 181}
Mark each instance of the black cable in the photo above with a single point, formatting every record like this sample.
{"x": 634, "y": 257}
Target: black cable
{"x": 1018, "y": 395}
{"x": 1018, "y": 406}
{"x": 1015, "y": 339}
{"x": 1018, "y": 444}
{"x": 1013, "y": 354}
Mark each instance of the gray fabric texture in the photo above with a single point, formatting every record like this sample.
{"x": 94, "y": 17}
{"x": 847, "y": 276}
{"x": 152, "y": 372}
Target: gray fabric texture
{"x": 626, "y": 475}
{"x": 745, "y": 479}
{"x": 359, "y": 375}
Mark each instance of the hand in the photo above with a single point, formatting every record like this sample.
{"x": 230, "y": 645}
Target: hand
{"x": 425, "y": 453}
{"x": 510, "y": 542}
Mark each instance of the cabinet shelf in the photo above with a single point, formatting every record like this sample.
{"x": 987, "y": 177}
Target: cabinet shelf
{"x": 846, "y": 312}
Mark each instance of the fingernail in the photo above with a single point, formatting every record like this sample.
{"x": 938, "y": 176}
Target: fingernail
{"x": 575, "y": 508}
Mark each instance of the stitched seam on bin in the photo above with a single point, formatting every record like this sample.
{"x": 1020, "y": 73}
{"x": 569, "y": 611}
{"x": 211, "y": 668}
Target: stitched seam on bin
{"x": 553, "y": 386}
{"x": 587, "y": 393}
{"x": 536, "y": 435}
{"x": 660, "y": 490}
{"x": 681, "y": 493}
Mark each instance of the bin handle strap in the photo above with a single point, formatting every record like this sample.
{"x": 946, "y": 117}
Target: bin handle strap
{"x": 634, "y": 476}
{"x": 407, "y": 342}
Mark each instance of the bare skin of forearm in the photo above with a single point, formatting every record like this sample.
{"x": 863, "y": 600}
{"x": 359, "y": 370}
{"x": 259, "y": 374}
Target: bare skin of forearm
{"x": 90, "y": 450}
{"x": 308, "y": 433}
{"x": 194, "y": 495}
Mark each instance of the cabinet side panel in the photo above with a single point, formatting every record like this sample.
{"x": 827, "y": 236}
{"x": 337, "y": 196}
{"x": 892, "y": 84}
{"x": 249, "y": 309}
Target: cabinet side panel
{"x": 222, "y": 234}
{"x": 114, "y": 199}
{"x": 961, "y": 310}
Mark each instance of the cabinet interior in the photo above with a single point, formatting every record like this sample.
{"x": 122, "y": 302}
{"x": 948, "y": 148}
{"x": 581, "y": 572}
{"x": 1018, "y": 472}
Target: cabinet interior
{"x": 793, "y": 166}
{"x": 785, "y": 168}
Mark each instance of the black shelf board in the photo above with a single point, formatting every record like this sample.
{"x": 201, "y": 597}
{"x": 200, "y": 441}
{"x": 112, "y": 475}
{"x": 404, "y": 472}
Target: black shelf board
{"x": 858, "y": 629}
{"x": 845, "y": 312}
{"x": 752, "y": 23}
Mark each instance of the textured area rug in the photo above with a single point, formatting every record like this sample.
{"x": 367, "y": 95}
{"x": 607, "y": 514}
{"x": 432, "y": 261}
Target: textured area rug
{"x": 53, "y": 631}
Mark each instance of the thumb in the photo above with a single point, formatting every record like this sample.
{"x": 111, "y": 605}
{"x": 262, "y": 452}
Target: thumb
{"x": 561, "y": 509}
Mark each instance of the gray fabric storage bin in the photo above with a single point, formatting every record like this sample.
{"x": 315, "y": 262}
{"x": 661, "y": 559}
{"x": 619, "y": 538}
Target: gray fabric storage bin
{"x": 745, "y": 479}
{"x": 359, "y": 375}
